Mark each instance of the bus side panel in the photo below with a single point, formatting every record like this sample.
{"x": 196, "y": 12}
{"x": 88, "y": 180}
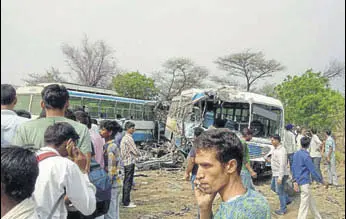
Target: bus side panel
{"x": 171, "y": 127}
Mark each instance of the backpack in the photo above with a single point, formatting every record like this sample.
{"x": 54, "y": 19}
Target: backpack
{"x": 100, "y": 179}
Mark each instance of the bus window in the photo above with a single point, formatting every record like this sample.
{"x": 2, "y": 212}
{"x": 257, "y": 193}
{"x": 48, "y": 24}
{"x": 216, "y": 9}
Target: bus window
{"x": 123, "y": 109}
{"x": 93, "y": 107}
{"x": 23, "y": 102}
{"x": 75, "y": 102}
{"x": 266, "y": 120}
{"x": 107, "y": 108}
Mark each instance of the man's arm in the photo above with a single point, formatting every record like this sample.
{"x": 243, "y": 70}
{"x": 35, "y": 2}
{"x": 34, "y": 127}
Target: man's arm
{"x": 85, "y": 147}
{"x": 311, "y": 168}
{"x": 283, "y": 165}
{"x": 190, "y": 163}
{"x": 80, "y": 191}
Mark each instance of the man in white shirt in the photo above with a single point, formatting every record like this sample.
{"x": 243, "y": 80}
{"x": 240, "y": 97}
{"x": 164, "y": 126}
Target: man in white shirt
{"x": 59, "y": 175}
{"x": 19, "y": 171}
{"x": 290, "y": 143}
{"x": 9, "y": 118}
{"x": 280, "y": 173}
{"x": 315, "y": 149}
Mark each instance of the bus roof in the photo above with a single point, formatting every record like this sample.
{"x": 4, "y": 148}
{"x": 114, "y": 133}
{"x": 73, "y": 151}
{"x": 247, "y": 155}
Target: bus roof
{"x": 85, "y": 94}
{"x": 229, "y": 94}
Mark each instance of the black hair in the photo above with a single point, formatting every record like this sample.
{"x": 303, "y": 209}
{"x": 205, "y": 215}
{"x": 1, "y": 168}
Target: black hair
{"x": 55, "y": 96}
{"x": 69, "y": 114}
{"x": 228, "y": 146}
{"x": 328, "y": 132}
{"x": 19, "y": 171}
{"x": 305, "y": 142}
{"x": 246, "y": 132}
{"x": 83, "y": 118}
{"x": 8, "y": 94}
{"x": 198, "y": 131}
{"x": 58, "y": 133}
{"x": 23, "y": 113}
{"x": 314, "y": 131}
{"x": 111, "y": 125}
{"x": 219, "y": 123}
{"x": 129, "y": 125}
{"x": 277, "y": 137}
{"x": 94, "y": 121}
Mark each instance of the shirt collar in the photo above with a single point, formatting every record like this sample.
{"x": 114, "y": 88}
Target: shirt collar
{"x": 46, "y": 149}
{"x": 278, "y": 147}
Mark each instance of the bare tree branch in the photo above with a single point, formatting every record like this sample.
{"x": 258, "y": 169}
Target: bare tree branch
{"x": 252, "y": 66}
{"x": 335, "y": 69}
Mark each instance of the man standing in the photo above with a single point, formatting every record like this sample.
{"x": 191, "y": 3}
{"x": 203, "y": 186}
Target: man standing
{"x": 60, "y": 176}
{"x": 9, "y": 118}
{"x": 129, "y": 153}
{"x": 315, "y": 149}
{"x": 191, "y": 166}
{"x": 301, "y": 169}
{"x": 246, "y": 171}
{"x": 219, "y": 155}
{"x": 330, "y": 157}
{"x": 55, "y": 101}
{"x": 290, "y": 143}
{"x": 280, "y": 173}
{"x": 19, "y": 171}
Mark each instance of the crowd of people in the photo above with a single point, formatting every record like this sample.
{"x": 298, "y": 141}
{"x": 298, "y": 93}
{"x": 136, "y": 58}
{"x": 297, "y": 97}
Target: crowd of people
{"x": 48, "y": 165}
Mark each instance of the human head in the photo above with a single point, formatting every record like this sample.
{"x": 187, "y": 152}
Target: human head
{"x": 8, "y": 96}
{"x": 247, "y": 134}
{"x": 328, "y": 133}
{"x": 19, "y": 171}
{"x": 219, "y": 156}
{"x": 305, "y": 142}
{"x": 289, "y": 127}
{"x": 314, "y": 131}
{"x": 23, "y": 113}
{"x": 130, "y": 127}
{"x": 109, "y": 128}
{"x": 83, "y": 118}
{"x": 198, "y": 131}
{"x": 276, "y": 140}
{"x": 219, "y": 123}
{"x": 69, "y": 114}
{"x": 54, "y": 97}
{"x": 59, "y": 136}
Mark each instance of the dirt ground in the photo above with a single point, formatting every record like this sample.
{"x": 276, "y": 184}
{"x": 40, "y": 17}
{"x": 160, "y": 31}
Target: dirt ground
{"x": 163, "y": 194}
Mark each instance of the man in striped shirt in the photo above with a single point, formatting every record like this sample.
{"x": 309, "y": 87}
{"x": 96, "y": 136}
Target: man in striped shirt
{"x": 129, "y": 153}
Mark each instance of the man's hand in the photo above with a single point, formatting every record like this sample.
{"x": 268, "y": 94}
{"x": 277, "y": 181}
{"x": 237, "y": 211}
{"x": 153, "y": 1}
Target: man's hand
{"x": 253, "y": 174}
{"x": 279, "y": 181}
{"x": 204, "y": 200}
{"x": 296, "y": 186}
{"x": 328, "y": 159}
{"x": 187, "y": 176}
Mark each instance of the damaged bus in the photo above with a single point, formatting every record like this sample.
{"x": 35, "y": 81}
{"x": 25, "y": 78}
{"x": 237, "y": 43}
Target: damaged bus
{"x": 236, "y": 110}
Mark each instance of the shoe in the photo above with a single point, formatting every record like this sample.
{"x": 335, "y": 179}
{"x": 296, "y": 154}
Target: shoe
{"x": 289, "y": 202}
{"x": 279, "y": 212}
{"x": 131, "y": 205}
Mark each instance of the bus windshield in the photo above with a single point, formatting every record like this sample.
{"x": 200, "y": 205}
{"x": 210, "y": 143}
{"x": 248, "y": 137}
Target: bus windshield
{"x": 266, "y": 120}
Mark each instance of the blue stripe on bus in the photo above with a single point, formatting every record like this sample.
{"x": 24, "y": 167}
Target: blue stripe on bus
{"x": 105, "y": 97}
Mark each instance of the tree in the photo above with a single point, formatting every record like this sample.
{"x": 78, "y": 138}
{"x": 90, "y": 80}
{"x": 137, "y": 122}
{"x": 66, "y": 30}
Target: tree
{"x": 135, "y": 85}
{"x": 177, "y": 75}
{"x": 267, "y": 89}
{"x": 335, "y": 69}
{"x": 252, "y": 66}
{"x": 52, "y": 75}
{"x": 309, "y": 102}
{"x": 93, "y": 63}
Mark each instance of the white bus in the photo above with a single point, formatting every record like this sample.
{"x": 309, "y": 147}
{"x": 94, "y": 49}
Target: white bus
{"x": 236, "y": 110}
{"x": 99, "y": 103}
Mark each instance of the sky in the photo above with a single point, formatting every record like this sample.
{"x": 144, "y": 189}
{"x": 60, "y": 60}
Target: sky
{"x": 299, "y": 34}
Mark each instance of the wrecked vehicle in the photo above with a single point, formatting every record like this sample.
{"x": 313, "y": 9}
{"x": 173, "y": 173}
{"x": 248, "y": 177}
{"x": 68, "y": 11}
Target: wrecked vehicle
{"x": 237, "y": 109}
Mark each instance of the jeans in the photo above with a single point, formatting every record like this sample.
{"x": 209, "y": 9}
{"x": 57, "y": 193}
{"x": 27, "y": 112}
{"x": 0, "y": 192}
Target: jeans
{"x": 128, "y": 180}
{"x": 193, "y": 177}
{"x": 317, "y": 164}
{"x": 290, "y": 160}
{"x": 113, "y": 211}
{"x": 280, "y": 190}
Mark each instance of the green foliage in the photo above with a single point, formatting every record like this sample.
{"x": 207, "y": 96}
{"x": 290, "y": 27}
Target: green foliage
{"x": 135, "y": 85}
{"x": 308, "y": 101}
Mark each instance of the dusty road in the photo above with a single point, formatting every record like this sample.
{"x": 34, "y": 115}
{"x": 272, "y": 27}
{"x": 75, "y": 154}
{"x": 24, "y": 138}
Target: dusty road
{"x": 164, "y": 194}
